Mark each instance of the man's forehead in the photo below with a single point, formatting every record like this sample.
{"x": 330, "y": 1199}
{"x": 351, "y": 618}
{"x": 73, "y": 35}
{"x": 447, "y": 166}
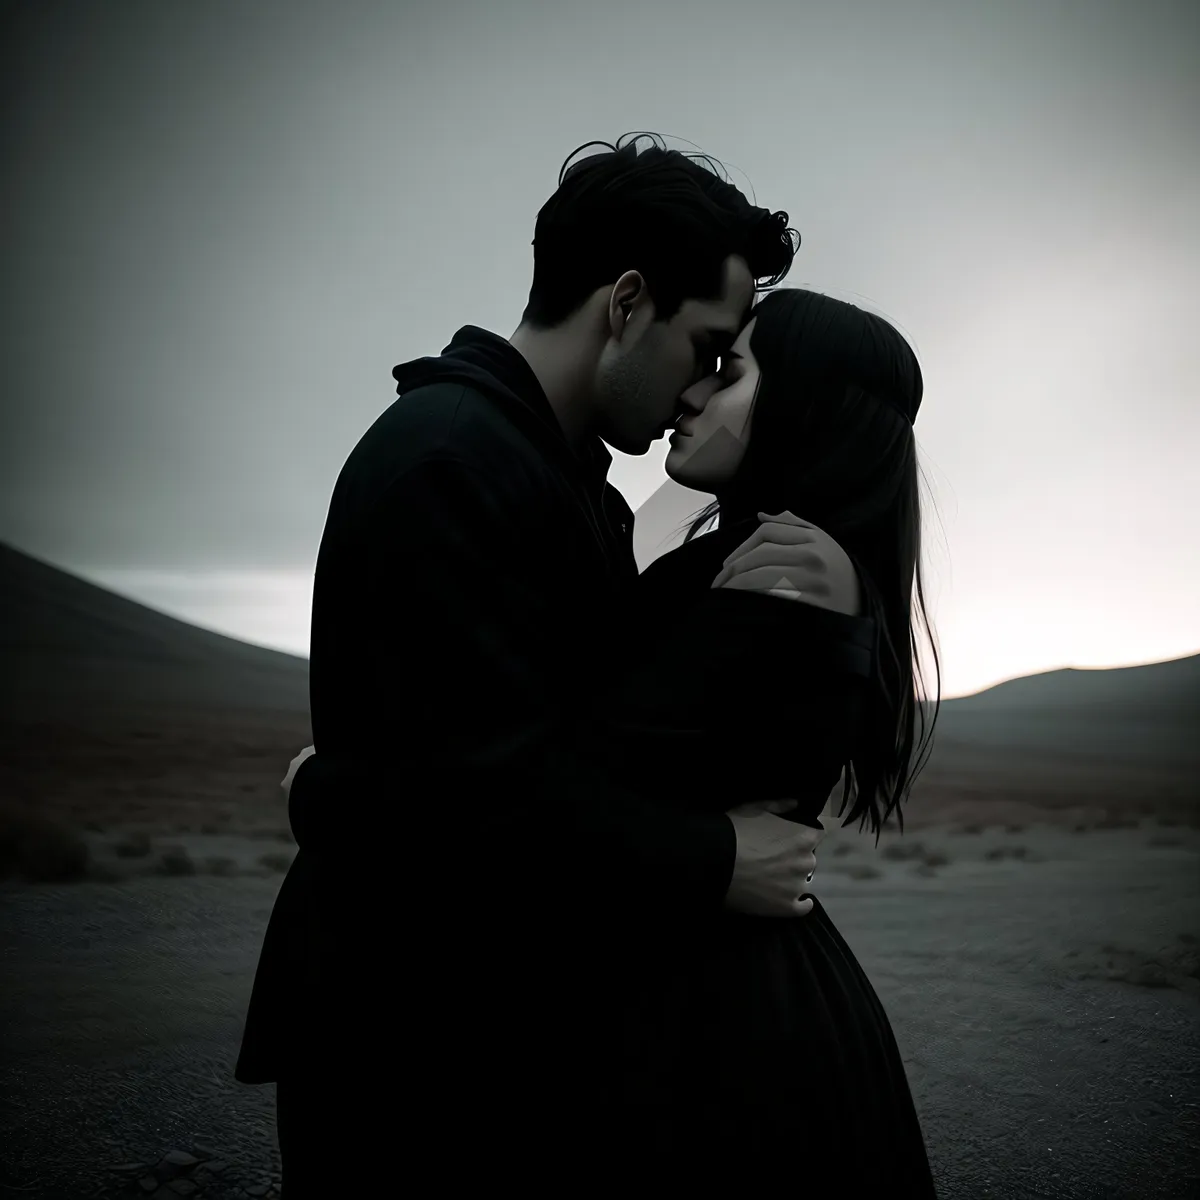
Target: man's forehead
{"x": 723, "y": 320}
{"x": 724, "y": 316}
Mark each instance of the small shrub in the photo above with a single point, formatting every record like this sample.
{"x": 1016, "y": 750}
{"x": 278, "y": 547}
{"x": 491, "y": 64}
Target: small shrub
{"x": 275, "y": 860}
{"x": 134, "y": 845}
{"x": 998, "y": 852}
{"x": 1114, "y": 821}
{"x": 863, "y": 871}
{"x": 901, "y": 852}
{"x": 39, "y": 850}
{"x": 177, "y": 861}
{"x": 220, "y": 865}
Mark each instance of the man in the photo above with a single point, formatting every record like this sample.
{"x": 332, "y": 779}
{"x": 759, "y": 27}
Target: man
{"x": 438, "y": 976}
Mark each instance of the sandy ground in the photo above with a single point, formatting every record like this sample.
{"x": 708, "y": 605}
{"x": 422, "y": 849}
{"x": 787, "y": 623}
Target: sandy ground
{"x": 1043, "y": 984}
{"x": 1042, "y": 976}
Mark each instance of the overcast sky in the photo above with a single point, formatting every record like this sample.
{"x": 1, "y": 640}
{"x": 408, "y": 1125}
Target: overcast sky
{"x": 225, "y": 223}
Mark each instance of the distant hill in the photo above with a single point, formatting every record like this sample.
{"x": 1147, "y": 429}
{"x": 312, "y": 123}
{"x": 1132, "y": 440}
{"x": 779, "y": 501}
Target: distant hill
{"x": 1125, "y": 740}
{"x": 1135, "y": 714}
{"x": 103, "y": 699}
{"x": 64, "y": 641}
{"x": 112, "y": 713}
{"x": 1172, "y": 686}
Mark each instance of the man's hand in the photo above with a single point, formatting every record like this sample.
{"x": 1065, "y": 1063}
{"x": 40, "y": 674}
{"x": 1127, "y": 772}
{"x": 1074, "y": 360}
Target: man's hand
{"x": 786, "y": 556}
{"x": 293, "y": 767}
{"x": 774, "y": 860}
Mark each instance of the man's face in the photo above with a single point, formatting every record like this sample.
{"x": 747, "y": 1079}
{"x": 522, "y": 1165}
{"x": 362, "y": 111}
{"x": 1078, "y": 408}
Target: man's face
{"x": 642, "y": 378}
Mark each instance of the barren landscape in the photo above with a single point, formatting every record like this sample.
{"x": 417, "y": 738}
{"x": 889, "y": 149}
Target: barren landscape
{"x": 1032, "y": 934}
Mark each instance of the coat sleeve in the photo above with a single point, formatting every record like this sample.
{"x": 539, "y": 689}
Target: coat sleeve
{"x": 750, "y": 697}
{"x": 476, "y": 664}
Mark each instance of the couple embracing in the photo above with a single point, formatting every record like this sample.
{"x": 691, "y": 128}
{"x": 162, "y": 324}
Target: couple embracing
{"x": 547, "y": 925}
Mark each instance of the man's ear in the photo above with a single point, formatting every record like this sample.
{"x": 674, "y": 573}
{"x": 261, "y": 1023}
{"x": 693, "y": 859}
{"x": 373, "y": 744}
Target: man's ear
{"x": 628, "y": 294}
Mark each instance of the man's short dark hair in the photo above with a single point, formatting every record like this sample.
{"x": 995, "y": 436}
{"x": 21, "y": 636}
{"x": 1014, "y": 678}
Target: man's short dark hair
{"x": 664, "y": 213}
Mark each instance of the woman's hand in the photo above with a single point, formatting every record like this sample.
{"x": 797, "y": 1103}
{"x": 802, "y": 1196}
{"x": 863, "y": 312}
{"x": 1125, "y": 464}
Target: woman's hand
{"x": 293, "y": 767}
{"x": 789, "y": 557}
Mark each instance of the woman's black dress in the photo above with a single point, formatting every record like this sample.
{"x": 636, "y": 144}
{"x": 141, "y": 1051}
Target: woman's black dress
{"x": 756, "y": 1044}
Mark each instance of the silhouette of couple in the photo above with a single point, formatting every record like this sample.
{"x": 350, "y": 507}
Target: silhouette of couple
{"x": 547, "y": 924}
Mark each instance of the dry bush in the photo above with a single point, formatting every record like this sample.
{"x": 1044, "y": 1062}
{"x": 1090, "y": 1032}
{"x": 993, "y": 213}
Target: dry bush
{"x": 902, "y": 852}
{"x": 133, "y": 845}
{"x": 998, "y": 852}
{"x": 39, "y": 850}
{"x": 176, "y": 861}
{"x": 1115, "y": 822}
{"x": 863, "y": 871}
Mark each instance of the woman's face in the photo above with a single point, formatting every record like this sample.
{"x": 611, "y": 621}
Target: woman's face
{"x": 710, "y": 438}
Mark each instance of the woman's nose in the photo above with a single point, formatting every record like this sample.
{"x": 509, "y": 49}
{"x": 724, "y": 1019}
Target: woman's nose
{"x": 696, "y": 397}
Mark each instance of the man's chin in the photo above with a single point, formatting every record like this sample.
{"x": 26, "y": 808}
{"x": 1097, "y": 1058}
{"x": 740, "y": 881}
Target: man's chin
{"x": 633, "y": 449}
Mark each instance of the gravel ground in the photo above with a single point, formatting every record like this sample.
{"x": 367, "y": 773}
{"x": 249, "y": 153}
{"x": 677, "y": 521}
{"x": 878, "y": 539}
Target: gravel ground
{"x": 1046, "y": 1000}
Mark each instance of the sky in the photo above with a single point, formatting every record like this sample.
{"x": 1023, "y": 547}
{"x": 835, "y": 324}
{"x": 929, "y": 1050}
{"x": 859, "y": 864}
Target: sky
{"x": 225, "y": 223}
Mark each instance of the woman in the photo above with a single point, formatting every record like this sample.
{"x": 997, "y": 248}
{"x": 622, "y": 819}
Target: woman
{"x": 754, "y": 1037}
{"x": 810, "y": 413}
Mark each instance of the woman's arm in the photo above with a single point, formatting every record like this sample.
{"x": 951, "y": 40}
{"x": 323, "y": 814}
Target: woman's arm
{"x": 749, "y": 697}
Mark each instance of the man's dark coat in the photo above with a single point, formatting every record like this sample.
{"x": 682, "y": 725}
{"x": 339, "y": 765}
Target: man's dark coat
{"x": 479, "y": 886}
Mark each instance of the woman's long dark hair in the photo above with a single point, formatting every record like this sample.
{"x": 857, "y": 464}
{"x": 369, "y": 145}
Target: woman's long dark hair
{"x": 826, "y": 445}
